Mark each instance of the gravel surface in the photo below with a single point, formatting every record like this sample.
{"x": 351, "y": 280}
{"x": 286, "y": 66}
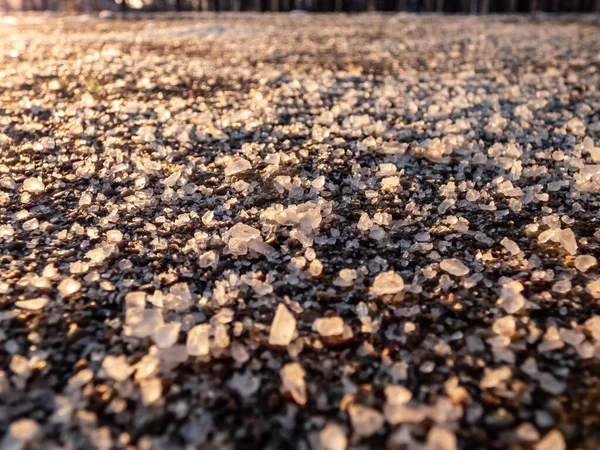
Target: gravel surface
{"x": 299, "y": 231}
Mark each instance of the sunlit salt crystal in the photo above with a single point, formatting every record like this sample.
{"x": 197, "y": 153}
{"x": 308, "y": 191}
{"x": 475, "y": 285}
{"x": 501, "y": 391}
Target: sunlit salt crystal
{"x": 165, "y": 336}
{"x": 511, "y": 299}
{"x": 594, "y": 288}
{"x": 440, "y": 438}
{"x": 283, "y": 327}
{"x": 239, "y": 353}
{"x": 567, "y": 239}
{"x": 292, "y": 382}
{"x": 328, "y": 326}
{"x": 454, "y": 267}
{"x": 143, "y": 323}
{"x": 259, "y": 246}
{"x": 20, "y": 365}
{"x": 151, "y": 390}
{"x": 33, "y": 304}
{"x": 117, "y": 367}
{"x": 593, "y": 326}
{"x": 114, "y": 236}
{"x": 172, "y": 179}
{"x": 493, "y": 377}
{"x": 547, "y": 235}
{"x": 237, "y": 166}
{"x": 237, "y": 247}
{"x": 332, "y": 437}
{"x": 315, "y": 268}
{"x": 6, "y": 231}
{"x": 208, "y": 217}
{"x": 390, "y": 182}
{"x": 33, "y": 185}
{"x": 69, "y": 286}
{"x": 387, "y": 283}
{"x": 243, "y": 232}
{"x": 180, "y": 298}
{"x": 365, "y": 421}
{"x": 244, "y": 384}
{"x": 511, "y": 246}
{"x": 31, "y": 224}
{"x": 584, "y": 262}
{"x": 562, "y": 286}
{"x": 85, "y": 199}
{"x": 208, "y": 259}
{"x": 346, "y": 278}
{"x": 20, "y": 435}
{"x": 197, "y": 343}
{"x": 553, "y": 440}
{"x": 505, "y": 326}
{"x": 364, "y": 223}
{"x": 527, "y": 432}
{"x": 397, "y": 395}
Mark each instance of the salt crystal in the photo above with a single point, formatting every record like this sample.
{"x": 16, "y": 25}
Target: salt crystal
{"x": 117, "y": 367}
{"x": 567, "y": 239}
{"x": 114, "y": 236}
{"x": 397, "y": 394}
{"x": 440, "y": 438}
{"x": 365, "y": 421}
{"x": 329, "y": 326}
{"x": 527, "y": 432}
{"x": 33, "y": 304}
{"x": 584, "y": 262}
{"x": 165, "y": 336}
{"x": 292, "y": 378}
{"x": 68, "y": 286}
{"x": 550, "y": 384}
{"x": 454, "y": 267}
{"x": 243, "y": 232}
{"x": 332, "y": 437}
{"x": 283, "y": 327}
{"x": 511, "y": 246}
{"x": 594, "y": 288}
{"x": 198, "y": 340}
{"x": 387, "y": 283}
{"x": 209, "y": 259}
{"x": 151, "y": 390}
{"x": 593, "y": 326}
{"x": 315, "y": 268}
{"x": 562, "y": 286}
{"x": 237, "y": 166}
{"x": 33, "y": 185}
{"x": 20, "y": 435}
{"x": 552, "y": 441}
{"x": 504, "y": 326}
{"x": 493, "y": 377}
{"x": 31, "y": 224}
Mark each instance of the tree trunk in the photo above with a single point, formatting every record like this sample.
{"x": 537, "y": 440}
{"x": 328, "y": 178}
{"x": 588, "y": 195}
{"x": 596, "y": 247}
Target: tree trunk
{"x": 338, "y": 5}
{"x": 533, "y": 7}
{"x": 123, "y": 6}
{"x": 485, "y": 7}
{"x": 473, "y": 8}
{"x": 512, "y": 6}
{"x": 178, "y": 5}
{"x": 439, "y": 6}
{"x": 371, "y": 5}
{"x": 275, "y": 5}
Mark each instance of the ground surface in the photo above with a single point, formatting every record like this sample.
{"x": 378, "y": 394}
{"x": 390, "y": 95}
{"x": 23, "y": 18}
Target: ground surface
{"x": 416, "y": 197}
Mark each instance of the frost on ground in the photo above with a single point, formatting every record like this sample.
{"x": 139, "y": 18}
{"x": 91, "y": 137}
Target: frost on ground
{"x": 299, "y": 232}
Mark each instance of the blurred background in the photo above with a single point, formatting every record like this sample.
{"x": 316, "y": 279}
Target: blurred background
{"x": 440, "y": 6}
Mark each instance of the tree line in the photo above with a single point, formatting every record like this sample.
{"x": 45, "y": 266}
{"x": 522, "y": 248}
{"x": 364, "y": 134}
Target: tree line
{"x": 441, "y": 6}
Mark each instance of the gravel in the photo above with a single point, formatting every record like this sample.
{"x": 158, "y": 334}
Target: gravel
{"x": 299, "y": 231}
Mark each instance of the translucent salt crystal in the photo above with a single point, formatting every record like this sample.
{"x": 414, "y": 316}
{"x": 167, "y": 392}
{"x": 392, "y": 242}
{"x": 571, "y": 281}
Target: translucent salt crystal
{"x": 33, "y": 185}
{"x": 332, "y": 437}
{"x": 511, "y": 246}
{"x": 243, "y": 232}
{"x": 553, "y": 440}
{"x": 20, "y": 435}
{"x": 346, "y": 278}
{"x": 315, "y": 268}
{"x": 114, "y": 236}
{"x": 397, "y": 394}
{"x": 550, "y": 384}
{"x": 259, "y": 246}
{"x": 567, "y": 239}
{"x": 208, "y": 217}
{"x": 244, "y": 384}
{"x": 283, "y": 326}
{"x": 198, "y": 340}
{"x": 292, "y": 380}
{"x": 387, "y": 283}
{"x": 493, "y": 377}
{"x": 68, "y": 286}
{"x": 208, "y": 259}
{"x": 33, "y": 304}
{"x": 505, "y": 326}
{"x": 562, "y": 286}
{"x": 239, "y": 353}
{"x": 237, "y": 247}
{"x": 237, "y": 166}
{"x": 593, "y": 326}
{"x": 180, "y": 298}
{"x": 548, "y": 235}
{"x": 117, "y": 367}
{"x": 165, "y": 336}
{"x": 511, "y": 299}
{"x": 20, "y": 366}
{"x": 151, "y": 390}
{"x": 364, "y": 223}
{"x": 31, "y": 224}
{"x": 454, "y": 267}
{"x": 328, "y": 326}
{"x": 172, "y": 179}
{"x": 142, "y": 323}
{"x": 85, "y": 199}
{"x": 440, "y": 438}
{"x": 527, "y": 432}
{"x": 365, "y": 421}
{"x": 584, "y": 262}
{"x": 594, "y": 288}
